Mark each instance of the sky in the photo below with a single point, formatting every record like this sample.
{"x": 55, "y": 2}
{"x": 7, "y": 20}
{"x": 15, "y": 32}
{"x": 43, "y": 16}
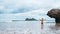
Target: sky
{"x": 21, "y": 9}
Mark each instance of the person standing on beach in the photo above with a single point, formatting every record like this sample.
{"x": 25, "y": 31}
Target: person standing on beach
{"x": 42, "y": 23}
{"x": 42, "y": 20}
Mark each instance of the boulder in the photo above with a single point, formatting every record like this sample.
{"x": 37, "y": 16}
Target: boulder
{"x": 54, "y": 13}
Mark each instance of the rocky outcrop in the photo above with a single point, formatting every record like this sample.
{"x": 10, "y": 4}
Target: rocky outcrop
{"x": 30, "y": 19}
{"x": 54, "y": 13}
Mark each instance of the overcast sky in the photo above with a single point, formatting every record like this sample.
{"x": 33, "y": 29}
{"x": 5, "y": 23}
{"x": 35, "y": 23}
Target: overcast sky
{"x": 21, "y": 9}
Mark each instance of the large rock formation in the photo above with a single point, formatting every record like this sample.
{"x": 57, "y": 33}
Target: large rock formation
{"x": 30, "y": 19}
{"x": 54, "y": 13}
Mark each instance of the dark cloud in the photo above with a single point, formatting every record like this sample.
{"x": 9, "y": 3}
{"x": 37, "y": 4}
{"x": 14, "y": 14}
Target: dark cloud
{"x": 1, "y": 12}
{"x": 22, "y": 10}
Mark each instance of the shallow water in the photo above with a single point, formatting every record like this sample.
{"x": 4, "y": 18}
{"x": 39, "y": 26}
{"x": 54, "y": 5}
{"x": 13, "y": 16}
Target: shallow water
{"x": 28, "y": 27}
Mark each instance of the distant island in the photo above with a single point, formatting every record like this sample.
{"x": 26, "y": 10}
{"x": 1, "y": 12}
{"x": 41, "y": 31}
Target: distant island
{"x": 30, "y": 19}
{"x": 27, "y": 19}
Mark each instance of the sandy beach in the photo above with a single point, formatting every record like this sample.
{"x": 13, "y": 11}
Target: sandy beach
{"x": 28, "y": 27}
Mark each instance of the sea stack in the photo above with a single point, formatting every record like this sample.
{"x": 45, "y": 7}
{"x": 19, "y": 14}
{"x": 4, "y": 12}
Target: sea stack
{"x": 54, "y": 13}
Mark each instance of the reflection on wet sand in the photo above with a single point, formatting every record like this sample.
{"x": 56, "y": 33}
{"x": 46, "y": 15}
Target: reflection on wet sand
{"x": 14, "y": 32}
{"x": 30, "y": 32}
{"x": 57, "y": 25}
{"x": 53, "y": 28}
{"x": 32, "y": 28}
{"x": 42, "y": 26}
{"x": 42, "y": 29}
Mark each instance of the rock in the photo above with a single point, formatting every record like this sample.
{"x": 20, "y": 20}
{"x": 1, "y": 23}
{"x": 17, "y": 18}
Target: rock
{"x": 30, "y": 19}
{"x": 54, "y": 13}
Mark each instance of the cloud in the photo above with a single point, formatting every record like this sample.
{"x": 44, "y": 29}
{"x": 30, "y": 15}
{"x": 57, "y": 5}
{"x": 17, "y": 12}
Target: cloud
{"x": 11, "y": 5}
{"x": 18, "y": 6}
{"x": 24, "y": 9}
{"x": 37, "y": 14}
{"x": 20, "y": 9}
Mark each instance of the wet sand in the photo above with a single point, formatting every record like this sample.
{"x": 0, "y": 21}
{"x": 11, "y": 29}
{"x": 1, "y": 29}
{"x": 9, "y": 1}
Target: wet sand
{"x": 29, "y": 28}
